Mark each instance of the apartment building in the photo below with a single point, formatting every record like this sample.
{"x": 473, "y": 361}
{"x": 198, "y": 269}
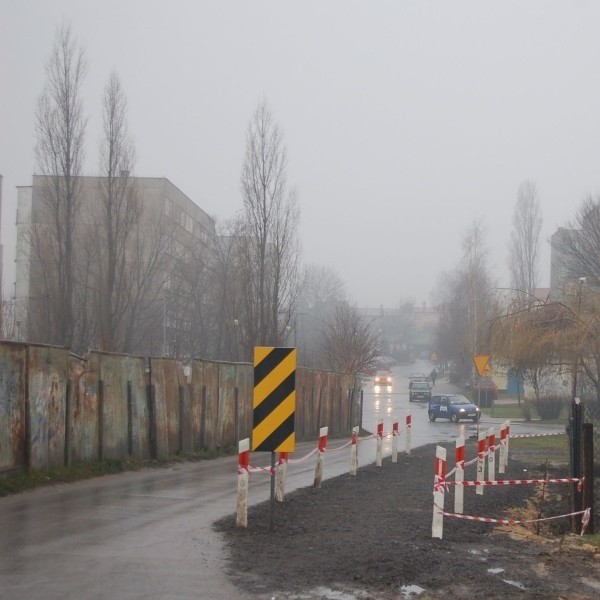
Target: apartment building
{"x": 171, "y": 225}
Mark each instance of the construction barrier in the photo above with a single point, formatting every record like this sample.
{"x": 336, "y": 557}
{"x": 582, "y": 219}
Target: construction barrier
{"x": 379, "y": 446}
{"x": 245, "y": 470}
{"x": 395, "y": 434}
{"x": 320, "y": 456}
{"x": 441, "y": 483}
{"x": 354, "y": 452}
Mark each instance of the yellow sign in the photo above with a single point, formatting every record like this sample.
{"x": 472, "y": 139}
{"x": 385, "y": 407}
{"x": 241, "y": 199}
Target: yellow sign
{"x": 481, "y": 363}
{"x": 274, "y": 403}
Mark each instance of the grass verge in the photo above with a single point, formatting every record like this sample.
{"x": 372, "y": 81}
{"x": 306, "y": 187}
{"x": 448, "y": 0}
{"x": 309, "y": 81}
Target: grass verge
{"x": 27, "y": 479}
{"x": 521, "y": 411}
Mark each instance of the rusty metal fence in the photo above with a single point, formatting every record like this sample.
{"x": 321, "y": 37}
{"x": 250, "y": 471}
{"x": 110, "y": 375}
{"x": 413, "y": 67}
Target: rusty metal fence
{"x": 58, "y": 409}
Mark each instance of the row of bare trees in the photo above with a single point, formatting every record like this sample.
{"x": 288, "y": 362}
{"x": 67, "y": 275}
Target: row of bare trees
{"x": 469, "y": 299}
{"x": 545, "y": 339}
{"x": 96, "y": 262}
{"x": 104, "y": 273}
{"x": 465, "y": 302}
{"x": 545, "y": 342}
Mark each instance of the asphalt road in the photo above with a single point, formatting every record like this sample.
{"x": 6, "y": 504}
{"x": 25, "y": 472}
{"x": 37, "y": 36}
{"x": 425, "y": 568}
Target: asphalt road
{"x": 148, "y": 533}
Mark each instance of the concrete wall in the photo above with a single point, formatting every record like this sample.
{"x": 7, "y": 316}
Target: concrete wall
{"x": 59, "y": 409}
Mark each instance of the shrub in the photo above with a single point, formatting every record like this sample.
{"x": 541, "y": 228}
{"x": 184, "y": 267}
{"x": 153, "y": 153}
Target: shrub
{"x": 549, "y": 407}
{"x": 526, "y": 410}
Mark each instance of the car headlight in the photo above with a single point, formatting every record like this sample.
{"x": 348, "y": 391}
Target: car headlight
{"x": 462, "y": 410}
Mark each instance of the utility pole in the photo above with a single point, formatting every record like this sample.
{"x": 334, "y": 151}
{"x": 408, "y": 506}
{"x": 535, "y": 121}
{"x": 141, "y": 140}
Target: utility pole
{"x": 576, "y": 363}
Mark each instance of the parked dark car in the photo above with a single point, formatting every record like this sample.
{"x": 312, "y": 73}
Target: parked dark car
{"x": 419, "y": 390}
{"x": 416, "y": 377}
{"x": 454, "y": 407}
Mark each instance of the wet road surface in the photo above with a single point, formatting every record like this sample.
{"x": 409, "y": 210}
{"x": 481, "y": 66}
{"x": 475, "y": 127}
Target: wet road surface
{"x": 148, "y": 533}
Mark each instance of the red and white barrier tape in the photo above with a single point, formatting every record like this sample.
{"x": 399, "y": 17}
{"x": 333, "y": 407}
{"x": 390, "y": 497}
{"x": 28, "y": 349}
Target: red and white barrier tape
{"x": 529, "y": 435}
{"x": 584, "y": 521}
{"x": 293, "y": 461}
{"x": 578, "y": 481}
{"x": 339, "y": 447}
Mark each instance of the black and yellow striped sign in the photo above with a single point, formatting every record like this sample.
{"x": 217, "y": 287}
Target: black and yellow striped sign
{"x": 274, "y": 402}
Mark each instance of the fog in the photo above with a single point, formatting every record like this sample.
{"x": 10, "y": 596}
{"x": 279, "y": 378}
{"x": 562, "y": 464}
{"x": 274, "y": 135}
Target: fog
{"x": 404, "y": 121}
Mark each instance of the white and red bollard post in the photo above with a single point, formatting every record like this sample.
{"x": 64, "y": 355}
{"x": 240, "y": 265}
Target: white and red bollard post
{"x": 280, "y": 473}
{"x": 439, "y": 486}
{"x": 242, "y": 495}
{"x": 379, "y": 452}
{"x": 408, "y": 428}
{"x": 395, "y": 434}
{"x": 354, "y": 452}
{"x": 459, "y": 475}
{"x": 320, "y": 456}
{"x": 480, "y": 462}
{"x": 502, "y": 451}
{"x": 491, "y": 445}
{"x": 507, "y": 443}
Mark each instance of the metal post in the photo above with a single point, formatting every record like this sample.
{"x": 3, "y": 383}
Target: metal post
{"x": 181, "y": 418}
{"x": 272, "y": 504}
{"x": 164, "y": 352}
{"x": 588, "y": 472}
{"x": 576, "y": 459}
{"x": 576, "y": 364}
{"x": 100, "y": 419}
{"x": 129, "y": 419}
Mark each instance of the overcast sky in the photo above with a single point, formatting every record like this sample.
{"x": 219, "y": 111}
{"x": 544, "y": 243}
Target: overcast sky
{"x": 404, "y": 121}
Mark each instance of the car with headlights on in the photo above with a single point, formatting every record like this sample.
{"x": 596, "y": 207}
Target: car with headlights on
{"x": 383, "y": 378}
{"x": 454, "y": 407}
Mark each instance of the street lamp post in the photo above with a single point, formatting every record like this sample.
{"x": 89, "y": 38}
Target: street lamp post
{"x": 236, "y": 326}
{"x": 576, "y": 411}
{"x": 576, "y": 363}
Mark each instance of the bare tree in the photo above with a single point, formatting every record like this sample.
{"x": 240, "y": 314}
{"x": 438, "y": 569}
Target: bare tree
{"x": 193, "y": 306}
{"x": 321, "y": 289}
{"x": 60, "y": 131}
{"x": 524, "y": 243}
{"x": 233, "y": 316}
{"x": 530, "y": 337}
{"x": 270, "y": 233}
{"x": 579, "y": 246}
{"x": 149, "y": 269}
{"x": 350, "y": 344}
{"x": 321, "y": 285}
{"x": 115, "y": 218}
{"x": 467, "y": 303}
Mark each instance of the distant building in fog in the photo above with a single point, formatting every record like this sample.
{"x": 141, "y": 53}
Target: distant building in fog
{"x": 185, "y": 227}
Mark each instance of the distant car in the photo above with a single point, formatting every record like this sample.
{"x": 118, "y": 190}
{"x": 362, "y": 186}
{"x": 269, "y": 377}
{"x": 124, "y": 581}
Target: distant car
{"x": 486, "y": 388}
{"x": 417, "y": 377}
{"x": 419, "y": 390}
{"x": 454, "y": 407}
{"x": 383, "y": 378}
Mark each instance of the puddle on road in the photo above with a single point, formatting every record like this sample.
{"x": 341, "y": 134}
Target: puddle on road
{"x": 328, "y": 594}
{"x": 595, "y": 585}
{"x": 515, "y": 584}
{"x": 408, "y": 591}
{"x": 495, "y": 571}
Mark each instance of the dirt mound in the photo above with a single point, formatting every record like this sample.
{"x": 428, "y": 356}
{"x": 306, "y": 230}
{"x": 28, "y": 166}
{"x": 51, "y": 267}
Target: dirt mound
{"x": 369, "y": 536}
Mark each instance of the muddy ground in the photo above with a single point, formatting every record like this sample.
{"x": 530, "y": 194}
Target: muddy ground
{"x": 369, "y": 536}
